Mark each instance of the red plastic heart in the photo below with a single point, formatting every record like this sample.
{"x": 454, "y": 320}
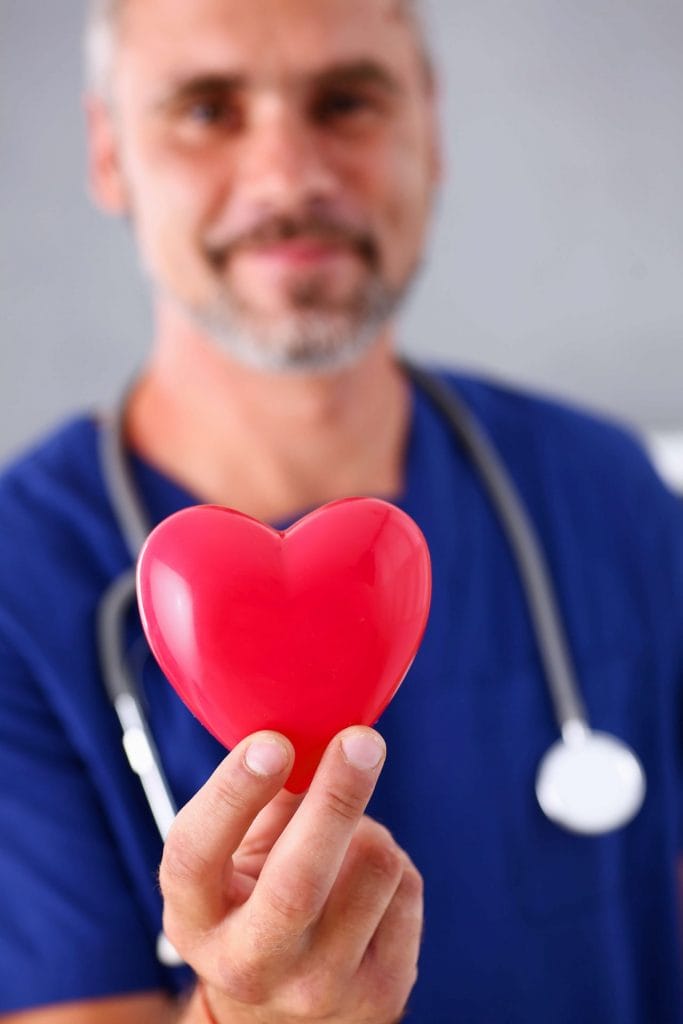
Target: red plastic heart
{"x": 305, "y": 631}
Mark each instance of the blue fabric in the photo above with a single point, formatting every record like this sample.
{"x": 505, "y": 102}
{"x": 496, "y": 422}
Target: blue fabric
{"x": 525, "y": 924}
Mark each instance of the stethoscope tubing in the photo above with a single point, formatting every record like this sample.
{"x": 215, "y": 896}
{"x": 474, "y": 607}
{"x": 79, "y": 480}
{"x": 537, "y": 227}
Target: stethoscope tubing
{"x": 538, "y": 589}
{"x": 531, "y": 563}
{"x": 138, "y": 742}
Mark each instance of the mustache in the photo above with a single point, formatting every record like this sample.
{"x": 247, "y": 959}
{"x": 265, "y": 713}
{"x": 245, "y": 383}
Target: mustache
{"x": 287, "y": 227}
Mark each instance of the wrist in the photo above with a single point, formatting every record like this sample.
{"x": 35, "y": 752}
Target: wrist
{"x": 197, "y": 1009}
{"x": 204, "y": 1003}
{"x": 203, "y": 1008}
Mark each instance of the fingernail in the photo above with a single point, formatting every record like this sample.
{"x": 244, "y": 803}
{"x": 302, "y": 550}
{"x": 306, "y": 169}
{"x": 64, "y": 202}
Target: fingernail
{"x": 363, "y": 750}
{"x": 266, "y": 757}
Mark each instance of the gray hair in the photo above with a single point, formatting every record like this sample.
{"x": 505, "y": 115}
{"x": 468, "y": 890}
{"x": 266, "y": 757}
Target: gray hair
{"x": 99, "y": 43}
{"x": 102, "y": 24}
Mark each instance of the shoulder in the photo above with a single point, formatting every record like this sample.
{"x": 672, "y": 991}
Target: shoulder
{"x": 505, "y": 408}
{"x": 55, "y": 525}
{"x": 612, "y": 529}
{"x": 41, "y": 477}
{"x": 558, "y": 441}
{"x": 590, "y": 488}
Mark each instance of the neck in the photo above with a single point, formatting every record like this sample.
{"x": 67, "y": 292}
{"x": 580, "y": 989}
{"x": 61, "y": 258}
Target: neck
{"x": 269, "y": 444}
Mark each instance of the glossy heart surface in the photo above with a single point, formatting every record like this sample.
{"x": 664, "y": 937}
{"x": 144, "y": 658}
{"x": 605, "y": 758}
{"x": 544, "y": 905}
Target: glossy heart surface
{"x": 304, "y": 631}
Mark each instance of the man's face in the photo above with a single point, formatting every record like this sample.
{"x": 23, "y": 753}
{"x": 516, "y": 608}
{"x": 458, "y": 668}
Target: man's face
{"x": 278, "y": 160}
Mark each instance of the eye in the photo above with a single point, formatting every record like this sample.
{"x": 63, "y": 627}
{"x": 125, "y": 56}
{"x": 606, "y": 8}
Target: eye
{"x": 206, "y": 111}
{"x": 214, "y": 111}
{"x": 343, "y": 104}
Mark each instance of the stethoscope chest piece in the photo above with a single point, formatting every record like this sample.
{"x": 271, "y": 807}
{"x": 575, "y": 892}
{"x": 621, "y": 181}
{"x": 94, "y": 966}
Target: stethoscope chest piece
{"x": 590, "y": 782}
{"x": 167, "y": 954}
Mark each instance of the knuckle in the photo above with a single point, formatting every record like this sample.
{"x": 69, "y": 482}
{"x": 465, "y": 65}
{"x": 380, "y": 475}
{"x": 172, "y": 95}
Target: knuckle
{"x": 392, "y": 986}
{"x": 299, "y": 901}
{"x": 383, "y": 862}
{"x": 241, "y": 978}
{"x": 315, "y": 996}
{"x": 412, "y": 881}
{"x": 346, "y": 805}
{"x": 182, "y": 861}
{"x": 379, "y": 852}
{"x": 371, "y": 829}
{"x": 227, "y": 796}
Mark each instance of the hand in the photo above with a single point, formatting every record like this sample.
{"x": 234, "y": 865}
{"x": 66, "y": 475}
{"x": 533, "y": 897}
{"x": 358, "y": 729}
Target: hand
{"x": 293, "y": 908}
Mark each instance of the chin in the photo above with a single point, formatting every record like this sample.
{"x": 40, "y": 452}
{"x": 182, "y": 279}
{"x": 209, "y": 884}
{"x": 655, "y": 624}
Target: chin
{"x": 303, "y": 357}
{"x": 309, "y": 338}
{"x": 302, "y": 345}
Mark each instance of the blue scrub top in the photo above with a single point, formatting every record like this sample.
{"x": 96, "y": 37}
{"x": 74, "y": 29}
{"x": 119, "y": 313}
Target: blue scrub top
{"x": 524, "y": 923}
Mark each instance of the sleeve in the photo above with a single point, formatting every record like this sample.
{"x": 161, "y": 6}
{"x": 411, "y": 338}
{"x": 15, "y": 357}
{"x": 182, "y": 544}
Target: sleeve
{"x": 70, "y": 928}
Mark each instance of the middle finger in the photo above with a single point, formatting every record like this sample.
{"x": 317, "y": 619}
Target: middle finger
{"x": 297, "y": 877}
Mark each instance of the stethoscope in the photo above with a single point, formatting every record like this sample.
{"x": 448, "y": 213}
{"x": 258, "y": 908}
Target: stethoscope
{"x": 588, "y": 782}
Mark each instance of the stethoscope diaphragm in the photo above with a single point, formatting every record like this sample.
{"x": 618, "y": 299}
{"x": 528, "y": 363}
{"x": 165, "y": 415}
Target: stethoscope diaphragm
{"x": 590, "y": 782}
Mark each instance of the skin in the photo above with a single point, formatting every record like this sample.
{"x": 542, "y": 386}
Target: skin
{"x": 311, "y": 437}
{"x": 290, "y": 909}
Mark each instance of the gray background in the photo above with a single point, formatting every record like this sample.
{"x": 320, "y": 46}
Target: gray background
{"x": 558, "y": 242}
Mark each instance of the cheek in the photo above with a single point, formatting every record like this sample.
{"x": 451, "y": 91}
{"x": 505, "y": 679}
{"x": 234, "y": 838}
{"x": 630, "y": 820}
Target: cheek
{"x": 392, "y": 176}
{"x": 399, "y": 193}
{"x": 172, "y": 202}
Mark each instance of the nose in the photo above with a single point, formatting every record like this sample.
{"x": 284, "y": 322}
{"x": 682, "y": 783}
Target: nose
{"x": 282, "y": 162}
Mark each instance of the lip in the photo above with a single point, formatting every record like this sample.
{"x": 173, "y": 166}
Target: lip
{"x": 301, "y": 251}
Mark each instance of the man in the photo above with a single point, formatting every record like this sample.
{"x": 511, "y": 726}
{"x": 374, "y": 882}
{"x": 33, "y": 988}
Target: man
{"x": 277, "y": 160}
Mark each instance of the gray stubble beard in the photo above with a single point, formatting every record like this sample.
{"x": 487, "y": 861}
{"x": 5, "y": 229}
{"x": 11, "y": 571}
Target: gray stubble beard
{"x": 311, "y": 338}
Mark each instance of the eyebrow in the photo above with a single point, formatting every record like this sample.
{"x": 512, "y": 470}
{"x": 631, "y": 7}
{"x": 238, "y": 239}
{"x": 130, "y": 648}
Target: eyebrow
{"x": 358, "y": 72}
{"x": 194, "y": 86}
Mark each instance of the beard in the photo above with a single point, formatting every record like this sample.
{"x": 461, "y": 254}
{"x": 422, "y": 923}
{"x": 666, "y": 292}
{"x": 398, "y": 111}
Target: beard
{"x": 308, "y": 336}
{"x": 314, "y": 331}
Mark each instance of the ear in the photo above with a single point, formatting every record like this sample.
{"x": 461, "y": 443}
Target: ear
{"x": 105, "y": 178}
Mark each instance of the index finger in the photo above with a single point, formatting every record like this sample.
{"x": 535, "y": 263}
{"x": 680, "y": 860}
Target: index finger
{"x": 197, "y": 862}
{"x": 303, "y": 865}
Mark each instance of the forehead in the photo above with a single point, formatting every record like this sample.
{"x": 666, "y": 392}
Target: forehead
{"x": 264, "y": 38}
